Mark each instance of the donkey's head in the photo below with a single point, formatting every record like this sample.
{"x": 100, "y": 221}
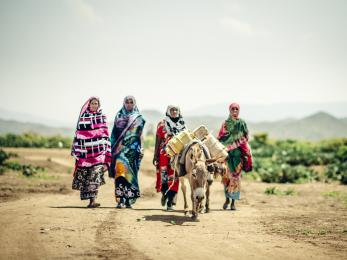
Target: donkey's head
{"x": 199, "y": 172}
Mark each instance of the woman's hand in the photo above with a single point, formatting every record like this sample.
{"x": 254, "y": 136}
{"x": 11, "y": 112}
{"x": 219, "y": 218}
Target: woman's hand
{"x": 231, "y": 147}
{"x": 105, "y": 168}
{"x": 141, "y": 153}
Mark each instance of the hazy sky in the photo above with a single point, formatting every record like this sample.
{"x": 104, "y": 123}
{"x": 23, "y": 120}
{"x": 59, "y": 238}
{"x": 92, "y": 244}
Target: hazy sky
{"x": 55, "y": 54}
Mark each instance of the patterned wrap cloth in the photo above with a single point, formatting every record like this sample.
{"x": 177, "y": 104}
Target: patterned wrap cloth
{"x": 91, "y": 149}
{"x": 234, "y": 135}
{"x": 126, "y": 152}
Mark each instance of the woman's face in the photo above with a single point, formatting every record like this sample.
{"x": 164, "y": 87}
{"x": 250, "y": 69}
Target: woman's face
{"x": 129, "y": 104}
{"x": 94, "y": 105}
{"x": 234, "y": 112}
{"x": 174, "y": 112}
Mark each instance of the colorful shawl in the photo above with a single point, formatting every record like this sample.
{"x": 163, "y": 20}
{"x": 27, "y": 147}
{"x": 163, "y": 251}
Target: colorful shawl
{"x": 126, "y": 153}
{"x": 127, "y": 130}
{"x": 122, "y": 122}
{"x": 91, "y": 145}
{"x": 174, "y": 125}
{"x": 234, "y": 135}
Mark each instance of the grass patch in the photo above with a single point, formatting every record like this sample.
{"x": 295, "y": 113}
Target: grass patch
{"x": 309, "y": 232}
{"x": 289, "y": 192}
{"x": 306, "y": 232}
{"x": 332, "y": 194}
{"x": 40, "y": 176}
{"x": 272, "y": 191}
{"x": 276, "y": 191}
{"x": 323, "y": 232}
{"x": 341, "y": 196}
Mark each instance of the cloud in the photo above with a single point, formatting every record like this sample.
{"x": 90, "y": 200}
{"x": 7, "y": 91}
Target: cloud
{"x": 243, "y": 28}
{"x": 86, "y": 11}
{"x": 237, "y": 26}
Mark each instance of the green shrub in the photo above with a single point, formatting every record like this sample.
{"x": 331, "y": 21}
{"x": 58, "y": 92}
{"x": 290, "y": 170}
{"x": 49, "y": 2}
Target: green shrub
{"x": 15, "y": 166}
{"x": 29, "y": 170}
{"x": 149, "y": 141}
{"x": 291, "y": 160}
{"x": 3, "y": 157}
{"x": 337, "y": 171}
{"x": 34, "y": 140}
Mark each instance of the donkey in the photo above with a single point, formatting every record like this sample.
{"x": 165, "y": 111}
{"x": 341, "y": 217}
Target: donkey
{"x": 199, "y": 180}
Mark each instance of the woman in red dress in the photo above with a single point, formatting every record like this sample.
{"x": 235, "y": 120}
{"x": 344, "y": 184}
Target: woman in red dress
{"x": 167, "y": 183}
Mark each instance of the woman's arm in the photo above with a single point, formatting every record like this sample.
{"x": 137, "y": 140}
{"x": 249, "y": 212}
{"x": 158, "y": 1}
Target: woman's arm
{"x": 156, "y": 150}
{"x": 222, "y": 132}
{"x": 113, "y": 137}
{"x": 158, "y": 141}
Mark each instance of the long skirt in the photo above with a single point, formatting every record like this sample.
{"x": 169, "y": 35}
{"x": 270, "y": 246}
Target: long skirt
{"x": 127, "y": 165}
{"x": 88, "y": 180}
{"x": 232, "y": 178}
{"x": 167, "y": 183}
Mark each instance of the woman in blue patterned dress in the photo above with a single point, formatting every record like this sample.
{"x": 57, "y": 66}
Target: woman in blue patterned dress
{"x": 127, "y": 152}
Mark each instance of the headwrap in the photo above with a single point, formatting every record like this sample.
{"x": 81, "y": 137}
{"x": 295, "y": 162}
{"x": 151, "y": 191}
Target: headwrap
{"x": 123, "y": 115}
{"x": 174, "y": 125}
{"x": 234, "y": 105}
{"x": 91, "y": 145}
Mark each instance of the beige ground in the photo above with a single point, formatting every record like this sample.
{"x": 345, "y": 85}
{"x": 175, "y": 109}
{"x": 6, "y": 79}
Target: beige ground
{"x": 306, "y": 225}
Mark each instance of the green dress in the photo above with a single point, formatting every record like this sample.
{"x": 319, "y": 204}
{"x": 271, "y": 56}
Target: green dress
{"x": 234, "y": 135}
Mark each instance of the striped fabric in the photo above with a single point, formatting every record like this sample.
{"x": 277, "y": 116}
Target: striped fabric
{"x": 91, "y": 145}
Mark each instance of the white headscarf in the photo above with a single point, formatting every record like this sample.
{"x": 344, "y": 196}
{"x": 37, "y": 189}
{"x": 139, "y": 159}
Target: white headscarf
{"x": 174, "y": 125}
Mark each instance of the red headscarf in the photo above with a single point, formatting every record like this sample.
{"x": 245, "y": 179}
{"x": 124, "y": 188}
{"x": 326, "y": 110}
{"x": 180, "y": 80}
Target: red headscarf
{"x": 233, "y": 105}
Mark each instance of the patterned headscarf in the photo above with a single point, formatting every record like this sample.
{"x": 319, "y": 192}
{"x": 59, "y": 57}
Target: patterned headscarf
{"x": 123, "y": 114}
{"x": 174, "y": 125}
{"x": 123, "y": 111}
{"x": 85, "y": 108}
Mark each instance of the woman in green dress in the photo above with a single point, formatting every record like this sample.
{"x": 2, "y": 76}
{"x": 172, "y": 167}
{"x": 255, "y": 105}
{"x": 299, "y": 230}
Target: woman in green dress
{"x": 234, "y": 135}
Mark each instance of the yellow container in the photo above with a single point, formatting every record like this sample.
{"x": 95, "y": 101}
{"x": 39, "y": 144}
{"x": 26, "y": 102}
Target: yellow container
{"x": 216, "y": 148}
{"x": 201, "y": 132}
{"x": 177, "y": 143}
{"x": 169, "y": 151}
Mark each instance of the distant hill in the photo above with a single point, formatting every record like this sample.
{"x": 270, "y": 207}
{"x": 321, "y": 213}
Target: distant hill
{"x": 275, "y": 111}
{"x": 314, "y": 127}
{"x": 16, "y": 127}
{"x": 317, "y": 126}
{"x": 27, "y": 117}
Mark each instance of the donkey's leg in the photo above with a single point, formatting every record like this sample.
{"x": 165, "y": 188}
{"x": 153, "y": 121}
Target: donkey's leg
{"x": 184, "y": 191}
{"x": 194, "y": 204}
{"x": 207, "y": 205}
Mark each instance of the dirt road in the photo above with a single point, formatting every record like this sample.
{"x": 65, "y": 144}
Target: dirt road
{"x": 57, "y": 226}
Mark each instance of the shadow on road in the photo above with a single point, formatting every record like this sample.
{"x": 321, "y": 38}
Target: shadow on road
{"x": 80, "y": 207}
{"x": 170, "y": 219}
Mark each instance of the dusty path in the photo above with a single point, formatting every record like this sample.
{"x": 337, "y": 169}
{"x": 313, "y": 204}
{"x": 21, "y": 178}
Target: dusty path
{"x": 59, "y": 226}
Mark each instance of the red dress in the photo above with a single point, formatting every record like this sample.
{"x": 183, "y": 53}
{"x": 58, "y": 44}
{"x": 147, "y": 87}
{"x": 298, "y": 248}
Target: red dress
{"x": 166, "y": 179}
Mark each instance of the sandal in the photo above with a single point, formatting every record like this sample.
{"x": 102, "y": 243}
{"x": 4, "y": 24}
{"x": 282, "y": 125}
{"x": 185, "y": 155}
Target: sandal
{"x": 95, "y": 205}
{"x": 119, "y": 205}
